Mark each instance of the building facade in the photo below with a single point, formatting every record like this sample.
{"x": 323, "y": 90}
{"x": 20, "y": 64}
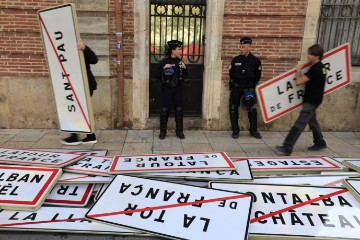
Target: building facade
{"x": 210, "y": 29}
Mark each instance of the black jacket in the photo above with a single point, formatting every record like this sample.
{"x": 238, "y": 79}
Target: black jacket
{"x": 90, "y": 58}
{"x": 170, "y": 60}
{"x": 245, "y": 70}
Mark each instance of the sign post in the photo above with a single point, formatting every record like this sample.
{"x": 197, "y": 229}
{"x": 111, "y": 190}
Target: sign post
{"x": 25, "y": 188}
{"x": 291, "y": 164}
{"x": 300, "y": 212}
{"x": 67, "y": 68}
{"x": 173, "y": 210}
{"x": 171, "y": 163}
{"x": 281, "y": 95}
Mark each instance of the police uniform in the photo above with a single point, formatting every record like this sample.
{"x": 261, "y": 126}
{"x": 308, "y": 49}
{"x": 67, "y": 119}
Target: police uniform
{"x": 245, "y": 73}
{"x": 172, "y": 79}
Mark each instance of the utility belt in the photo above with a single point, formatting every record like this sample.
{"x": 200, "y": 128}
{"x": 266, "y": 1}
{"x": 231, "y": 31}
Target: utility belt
{"x": 242, "y": 85}
{"x": 171, "y": 82}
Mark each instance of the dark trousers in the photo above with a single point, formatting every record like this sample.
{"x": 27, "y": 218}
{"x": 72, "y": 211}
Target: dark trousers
{"x": 234, "y": 103}
{"x": 171, "y": 95}
{"x": 307, "y": 116}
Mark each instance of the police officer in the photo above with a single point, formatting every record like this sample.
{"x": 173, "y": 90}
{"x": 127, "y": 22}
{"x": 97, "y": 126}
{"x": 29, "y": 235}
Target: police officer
{"x": 245, "y": 73}
{"x": 172, "y": 72}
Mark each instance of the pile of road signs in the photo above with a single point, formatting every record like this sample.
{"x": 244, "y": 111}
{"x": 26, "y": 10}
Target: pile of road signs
{"x": 179, "y": 196}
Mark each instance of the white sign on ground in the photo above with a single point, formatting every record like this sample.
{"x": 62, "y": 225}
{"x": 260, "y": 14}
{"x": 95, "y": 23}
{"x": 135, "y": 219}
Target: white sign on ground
{"x": 67, "y": 69}
{"x": 25, "y": 188}
{"x": 171, "y": 162}
{"x": 341, "y": 159}
{"x": 83, "y": 178}
{"x": 76, "y": 195}
{"x": 281, "y": 95}
{"x": 55, "y": 219}
{"x": 353, "y": 185}
{"x": 93, "y": 165}
{"x": 315, "y": 180}
{"x": 241, "y": 173}
{"x": 300, "y": 212}
{"x": 291, "y": 164}
{"x": 173, "y": 210}
{"x": 353, "y": 164}
{"x": 94, "y": 152}
{"x": 101, "y": 190}
{"x": 37, "y": 158}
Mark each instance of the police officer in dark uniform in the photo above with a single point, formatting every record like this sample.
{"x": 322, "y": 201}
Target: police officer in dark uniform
{"x": 245, "y": 73}
{"x": 172, "y": 72}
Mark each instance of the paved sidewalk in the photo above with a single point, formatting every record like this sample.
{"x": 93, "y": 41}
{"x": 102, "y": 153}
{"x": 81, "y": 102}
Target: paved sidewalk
{"x": 117, "y": 142}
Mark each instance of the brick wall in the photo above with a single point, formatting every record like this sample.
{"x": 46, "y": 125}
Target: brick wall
{"x": 276, "y": 28}
{"x": 21, "y": 44}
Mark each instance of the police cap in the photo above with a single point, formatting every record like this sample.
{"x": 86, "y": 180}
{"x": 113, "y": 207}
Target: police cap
{"x": 245, "y": 40}
{"x": 174, "y": 44}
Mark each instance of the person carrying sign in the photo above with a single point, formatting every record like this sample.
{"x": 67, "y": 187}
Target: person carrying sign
{"x": 245, "y": 73}
{"x": 172, "y": 72}
{"x": 314, "y": 81}
{"x": 90, "y": 58}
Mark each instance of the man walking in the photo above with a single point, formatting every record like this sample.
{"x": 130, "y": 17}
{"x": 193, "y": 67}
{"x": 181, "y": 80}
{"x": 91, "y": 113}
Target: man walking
{"x": 314, "y": 81}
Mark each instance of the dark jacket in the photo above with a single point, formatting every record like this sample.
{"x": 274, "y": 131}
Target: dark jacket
{"x": 245, "y": 70}
{"x": 90, "y": 58}
{"x": 175, "y": 61}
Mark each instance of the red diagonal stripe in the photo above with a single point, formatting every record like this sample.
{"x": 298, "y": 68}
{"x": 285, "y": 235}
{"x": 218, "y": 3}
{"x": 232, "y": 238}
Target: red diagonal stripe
{"x": 297, "y": 205}
{"x": 167, "y": 206}
{"x": 66, "y": 75}
{"x": 39, "y": 222}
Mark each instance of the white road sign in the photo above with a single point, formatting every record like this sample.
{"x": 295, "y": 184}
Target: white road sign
{"x": 101, "y": 190}
{"x": 36, "y": 157}
{"x": 76, "y": 195}
{"x": 291, "y": 164}
{"x": 341, "y": 159}
{"x": 83, "y": 178}
{"x": 94, "y": 152}
{"x": 94, "y": 165}
{"x": 67, "y": 68}
{"x": 353, "y": 185}
{"x": 300, "y": 212}
{"x": 173, "y": 210}
{"x": 281, "y": 95}
{"x": 25, "y": 188}
{"x": 353, "y": 164}
{"x": 171, "y": 162}
{"x": 315, "y": 180}
{"x": 57, "y": 219}
{"x": 241, "y": 173}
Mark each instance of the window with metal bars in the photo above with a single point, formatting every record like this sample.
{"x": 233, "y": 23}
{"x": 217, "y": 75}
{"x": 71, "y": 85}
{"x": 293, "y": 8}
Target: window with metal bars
{"x": 340, "y": 23}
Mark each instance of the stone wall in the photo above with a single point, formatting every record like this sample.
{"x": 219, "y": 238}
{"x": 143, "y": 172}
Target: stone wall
{"x": 280, "y": 30}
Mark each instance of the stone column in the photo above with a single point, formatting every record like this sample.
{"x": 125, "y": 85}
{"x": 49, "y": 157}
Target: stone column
{"x": 213, "y": 64}
{"x": 311, "y": 26}
{"x": 140, "y": 82}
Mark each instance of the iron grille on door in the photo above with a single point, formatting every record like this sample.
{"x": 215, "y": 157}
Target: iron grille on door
{"x": 183, "y": 21}
{"x": 340, "y": 23}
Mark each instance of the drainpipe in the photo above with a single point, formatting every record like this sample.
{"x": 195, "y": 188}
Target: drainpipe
{"x": 120, "y": 61}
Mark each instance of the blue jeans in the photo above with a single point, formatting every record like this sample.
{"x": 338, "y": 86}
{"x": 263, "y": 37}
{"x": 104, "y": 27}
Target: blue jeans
{"x": 307, "y": 116}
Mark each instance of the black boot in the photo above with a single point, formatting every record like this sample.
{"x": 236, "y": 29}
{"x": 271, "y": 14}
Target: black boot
{"x": 252, "y": 115}
{"x": 90, "y": 138}
{"x": 179, "y": 122}
{"x": 72, "y": 140}
{"x": 164, "y": 115}
{"x": 319, "y": 142}
{"x": 234, "y": 114}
